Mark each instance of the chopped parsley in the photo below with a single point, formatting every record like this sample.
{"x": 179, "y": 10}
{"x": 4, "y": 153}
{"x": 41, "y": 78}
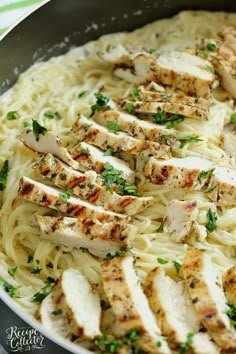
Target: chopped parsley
{"x": 57, "y": 312}
{"x": 177, "y": 118}
{"x": 52, "y": 115}
{"x": 30, "y": 258}
{"x": 166, "y": 138}
{"x": 38, "y": 129}
{"x": 3, "y": 175}
{"x": 212, "y": 218}
{"x": 117, "y": 254}
{"x": 234, "y": 76}
{"x": 210, "y": 189}
{"x": 113, "y": 127}
{"x": 232, "y": 313}
{"x": 211, "y": 47}
{"x": 65, "y": 197}
{"x": 160, "y": 117}
{"x": 112, "y": 345}
{"x": 12, "y": 271}
{"x": 184, "y": 347}
{"x": 162, "y": 260}
{"x": 210, "y": 68}
{"x": 112, "y": 176}
{"x": 10, "y": 289}
{"x": 83, "y": 93}
{"x": 26, "y": 124}
{"x": 108, "y": 152}
{"x": 45, "y": 291}
{"x": 134, "y": 94}
{"x": 233, "y": 118}
{"x": 101, "y": 103}
{"x": 13, "y": 115}
{"x": 129, "y": 107}
{"x": 205, "y": 174}
{"x": 188, "y": 139}
{"x": 205, "y": 55}
{"x": 85, "y": 150}
{"x": 161, "y": 227}
{"x": 36, "y": 270}
{"x": 177, "y": 266}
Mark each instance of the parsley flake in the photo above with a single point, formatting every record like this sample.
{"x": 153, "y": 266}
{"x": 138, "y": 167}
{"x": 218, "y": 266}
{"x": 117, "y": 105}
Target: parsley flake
{"x": 210, "y": 189}
{"x": 185, "y": 346}
{"x": 85, "y": 150}
{"x": 166, "y": 138}
{"x": 234, "y": 76}
{"x": 10, "y": 289}
{"x": 108, "y": 152}
{"x": 57, "y": 312}
{"x": 13, "y": 115}
{"x": 26, "y": 124}
{"x": 36, "y": 270}
{"x": 52, "y": 115}
{"x": 188, "y": 139}
{"x": 113, "y": 127}
{"x": 160, "y": 117}
{"x": 45, "y": 291}
{"x": 129, "y": 107}
{"x": 38, "y": 129}
{"x": 3, "y": 175}
{"x": 233, "y": 118}
{"x": 162, "y": 260}
{"x": 101, "y": 103}
{"x": 211, "y": 47}
{"x": 65, "y": 197}
{"x": 30, "y": 258}
{"x": 212, "y": 218}
{"x": 210, "y": 68}
{"x": 134, "y": 94}
{"x": 177, "y": 266}
{"x": 172, "y": 121}
{"x": 83, "y": 93}
{"x": 12, "y": 271}
{"x": 161, "y": 227}
{"x": 232, "y": 313}
{"x": 205, "y": 174}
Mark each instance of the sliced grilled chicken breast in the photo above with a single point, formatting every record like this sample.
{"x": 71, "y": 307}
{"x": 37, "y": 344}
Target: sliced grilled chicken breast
{"x": 137, "y": 128}
{"x": 50, "y": 321}
{"x": 229, "y": 285}
{"x": 79, "y": 302}
{"x": 223, "y": 182}
{"x": 85, "y": 187}
{"x": 93, "y": 158}
{"x": 98, "y": 238}
{"x": 153, "y": 96}
{"x": 57, "y": 199}
{"x": 205, "y": 289}
{"x": 151, "y": 108}
{"x": 184, "y": 71}
{"x": 129, "y": 303}
{"x": 181, "y": 70}
{"x": 179, "y": 218}
{"x": 48, "y": 143}
{"x": 174, "y": 311}
{"x": 100, "y": 136}
{"x": 229, "y": 140}
{"x": 178, "y": 172}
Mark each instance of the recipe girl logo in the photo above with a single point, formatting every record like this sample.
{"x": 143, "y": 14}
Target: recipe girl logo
{"x": 24, "y": 339}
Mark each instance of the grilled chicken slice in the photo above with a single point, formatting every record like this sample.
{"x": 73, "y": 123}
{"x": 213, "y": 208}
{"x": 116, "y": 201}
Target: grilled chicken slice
{"x": 180, "y": 70}
{"x": 57, "y": 199}
{"x": 229, "y": 285}
{"x": 204, "y": 286}
{"x": 151, "y": 108}
{"x": 48, "y": 143}
{"x": 129, "y": 303}
{"x": 93, "y": 158}
{"x": 149, "y": 102}
{"x": 50, "y": 321}
{"x": 180, "y": 218}
{"x": 85, "y": 187}
{"x": 98, "y": 135}
{"x": 175, "y": 313}
{"x": 229, "y": 140}
{"x": 178, "y": 172}
{"x": 139, "y": 129}
{"x": 223, "y": 182}
{"x": 99, "y": 238}
{"x": 80, "y": 304}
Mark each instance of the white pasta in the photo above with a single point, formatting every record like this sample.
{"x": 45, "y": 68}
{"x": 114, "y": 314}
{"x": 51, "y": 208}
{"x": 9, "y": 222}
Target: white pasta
{"x": 54, "y": 86}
